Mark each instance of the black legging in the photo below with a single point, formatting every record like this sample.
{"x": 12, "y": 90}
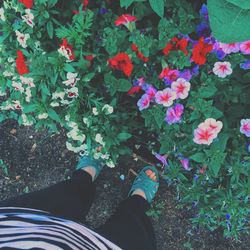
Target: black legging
{"x": 129, "y": 227}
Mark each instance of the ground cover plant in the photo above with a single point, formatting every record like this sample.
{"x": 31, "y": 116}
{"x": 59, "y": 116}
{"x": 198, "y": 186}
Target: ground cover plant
{"x": 153, "y": 75}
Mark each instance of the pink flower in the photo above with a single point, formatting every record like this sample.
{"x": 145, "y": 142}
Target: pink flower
{"x": 204, "y": 136}
{"x": 185, "y": 163}
{"x": 144, "y": 102}
{"x": 212, "y": 124}
{"x": 245, "y": 47}
{"x": 230, "y": 47}
{"x": 222, "y": 69}
{"x": 124, "y": 19}
{"x": 245, "y": 127}
{"x": 174, "y": 114}
{"x": 181, "y": 88}
{"x": 207, "y": 131}
{"x": 165, "y": 97}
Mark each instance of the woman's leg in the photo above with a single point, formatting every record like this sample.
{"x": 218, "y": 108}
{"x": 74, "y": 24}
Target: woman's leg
{"x": 70, "y": 199}
{"x": 130, "y": 228}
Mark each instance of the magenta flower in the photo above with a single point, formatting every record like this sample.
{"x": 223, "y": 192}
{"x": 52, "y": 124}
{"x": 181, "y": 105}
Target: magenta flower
{"x": 245, "y": 47}
{"x": 165, "y": 97}
{"x": 144, "y": 102}
{"x": 169, "y": 75}
{"x": 151, "y": 91}
{"x": 174, "y": 114}
{"x": 185, "y": 163}
{"x": 245, "y": 127}
{"x": 161, "y": 158}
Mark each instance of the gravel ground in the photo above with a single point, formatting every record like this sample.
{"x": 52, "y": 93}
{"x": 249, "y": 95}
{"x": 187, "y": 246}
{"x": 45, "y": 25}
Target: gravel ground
{"x": 35, "y": 160}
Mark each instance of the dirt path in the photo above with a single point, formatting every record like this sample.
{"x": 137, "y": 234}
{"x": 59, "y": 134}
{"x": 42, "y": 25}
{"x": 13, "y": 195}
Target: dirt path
{"x": 35, "y": 161}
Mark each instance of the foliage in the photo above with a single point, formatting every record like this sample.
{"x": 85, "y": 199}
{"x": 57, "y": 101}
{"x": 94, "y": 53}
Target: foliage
{"x": 75, "y": 87}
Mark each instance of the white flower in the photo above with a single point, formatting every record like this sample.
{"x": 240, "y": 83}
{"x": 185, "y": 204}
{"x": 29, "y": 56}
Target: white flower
{"x": 72, "y": 80}
{"x": 86, "y": 121}
{"x": 73, "y": 92}
{"x": 28, "y": 18}
{"x": 7, "y": 73}
{"x": 26, "y": 121}
{"x": 6, "y": 106}
{"x": 97, "y": 155}
{"x": 99, "y": 139}
{"x": 54, "y": 104}
{"x": 222, "y": 69}
{"x": 17, "y": 104}
{"x": 67, "y": 117}
{"x": 17, "y": 86}
{"x": 70, "y": 147}
{"x": 28, "y": 94}
{"x": 42, "y": 116}
{"x": 10, "y": 60}
{"x": 73, "y": 125}
{"x": 108, "y": 109}
{"x": 2, "y": 16}
{"x": 57, "y": 95}
{"x": 27, "y": 80}
{"x": 22, "y": 38}
{"x": 94, "y": 111}
{"x": 76, "y": 136}
{"x": 105, "y": 156}
{"x": 110, "y": 164}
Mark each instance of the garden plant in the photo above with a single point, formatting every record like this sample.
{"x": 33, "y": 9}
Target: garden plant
{"x": 155, "y": 74}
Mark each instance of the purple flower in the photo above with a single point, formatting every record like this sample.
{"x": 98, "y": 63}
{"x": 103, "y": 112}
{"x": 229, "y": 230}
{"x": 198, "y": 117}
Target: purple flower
{"x": 220, "y": 54}
{"x": 186, "y": 74}
{"x": 151, "y": 91}
{"x": 245, "y": 65}
{"x": 174, "y": 114}
{"x": 195, "y": 70}
{"x": 228, "y": 216}
{"x": 185, "y": 163}
{"x": 204, "y": 12}
{"x": 103, "y": 11}
{"x": 203, "y": 29}
{"x": 248, "y": 148}
{"x": 161, "y": 158}
{"x": 144, "y": 102}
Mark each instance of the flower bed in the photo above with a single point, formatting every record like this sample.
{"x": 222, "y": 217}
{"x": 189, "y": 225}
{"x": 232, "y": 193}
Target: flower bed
{"x": 108, "y": 76}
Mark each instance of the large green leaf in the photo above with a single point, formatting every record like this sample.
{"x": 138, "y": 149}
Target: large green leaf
{"x": 157, "y": 6}
{"x": 244, "y": 4}
{"x": 229, "y": 21}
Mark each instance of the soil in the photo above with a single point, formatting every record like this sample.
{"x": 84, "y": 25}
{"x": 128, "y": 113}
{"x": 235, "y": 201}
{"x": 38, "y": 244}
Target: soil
{"x": 36, "y": 160}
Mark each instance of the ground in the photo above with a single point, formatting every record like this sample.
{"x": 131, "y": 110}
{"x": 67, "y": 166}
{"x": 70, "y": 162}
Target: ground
{"x": 36, "y": 160}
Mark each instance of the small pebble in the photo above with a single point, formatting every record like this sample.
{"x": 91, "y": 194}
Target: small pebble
{"x": 122, "y": 177}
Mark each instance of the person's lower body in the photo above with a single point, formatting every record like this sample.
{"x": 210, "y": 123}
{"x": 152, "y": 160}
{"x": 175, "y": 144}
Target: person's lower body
{"x": 129, "y": 227}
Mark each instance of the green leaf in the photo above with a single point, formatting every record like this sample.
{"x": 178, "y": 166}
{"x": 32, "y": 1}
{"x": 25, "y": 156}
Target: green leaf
{"x": 229, "y": 20}
{"x": 69, "y": 68}
{"x": 244, "y": 4}
{"x": 198, "y": 157}
{"x": 53, "y": 115}
{"x": 50, "y": 29}
{"x": 208, "y": 91}
{"x": 29, "y": 108}
{"x": 126, "y": 3}
{"x": 157, "y": 6}
{"x": 123, "y": 136}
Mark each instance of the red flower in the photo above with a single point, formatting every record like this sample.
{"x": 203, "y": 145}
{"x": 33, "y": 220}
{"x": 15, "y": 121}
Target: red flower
{"x": 134, "y": 89}
{"x": 138, "y": 53}
{"x": 121, "y": 62}
{"x": 124, "y": 19}
{"x": 28, "y": 3}
{"x": 89, "y": 58}
{"x": 20, "y": 64}
{"x": 200, "y": 51}
{"x": 176, "y": 44}
{"x": 85, "y": 4}
{"x": 67, "y": 50}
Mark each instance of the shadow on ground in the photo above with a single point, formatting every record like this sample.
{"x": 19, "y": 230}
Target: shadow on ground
{"x": 35, "y": 160}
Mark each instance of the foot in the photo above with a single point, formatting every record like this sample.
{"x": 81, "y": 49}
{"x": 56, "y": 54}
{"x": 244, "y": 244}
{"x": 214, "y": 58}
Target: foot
{"x": 90, "y": 170}
{"x": 140, "y": 192}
